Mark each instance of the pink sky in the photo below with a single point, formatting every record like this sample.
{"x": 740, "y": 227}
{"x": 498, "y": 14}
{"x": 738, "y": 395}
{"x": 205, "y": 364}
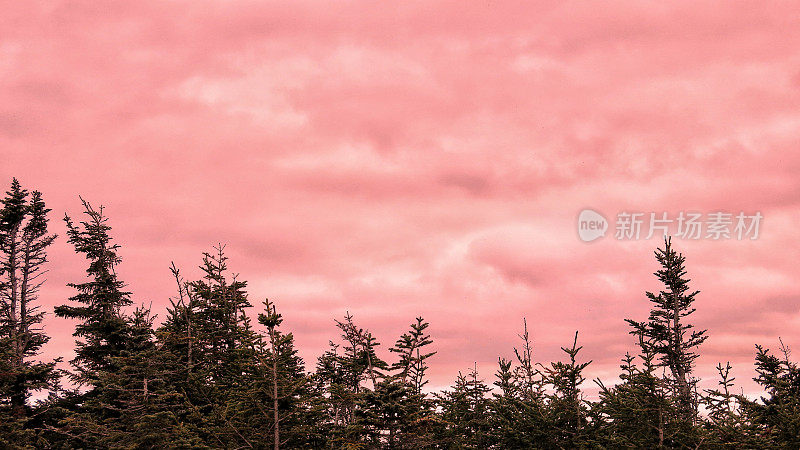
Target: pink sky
{"x": 420, "y": 158}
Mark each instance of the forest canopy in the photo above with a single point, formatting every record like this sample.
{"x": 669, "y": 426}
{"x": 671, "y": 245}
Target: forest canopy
{"x": 210, "y": 376}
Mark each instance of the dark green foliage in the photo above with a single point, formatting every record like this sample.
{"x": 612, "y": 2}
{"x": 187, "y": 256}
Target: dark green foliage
{"x": 636, "y": 413}
{"x": 23, "y": 243}
{"x": 211, "y": 347}
{"x": 209, "y": 376}
{"x": 344, "y": 373}
{"x": 465, "y": 409}
{"x": 389, "y": 415}
{"x": 150, "y": 411}
{"x": 519, "y": 415}
{"x": 776, "y": 418}
{"x": 102, "y": 329}
{"x": 667, "y": 341}
{"x": 567, "y": 411}
{"x": 667, "y": 335}
{"x": 412, "y": 365}
{"x": 113, "y": 351}
{"x": 727, "y": 423}
{"x": 396, "y": 412}
{"x": 277, "y": 401}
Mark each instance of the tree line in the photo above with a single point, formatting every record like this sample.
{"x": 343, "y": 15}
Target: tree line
{"x": 209, "y": 377}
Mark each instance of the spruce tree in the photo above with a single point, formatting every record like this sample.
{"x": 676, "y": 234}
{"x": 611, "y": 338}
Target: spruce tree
{"x": 23, "y": 244}
{"x": 465, "y": 411}
{"x": 396, "y": 413}
{"x": 518, "y": 409}
{"x": 636, "y": 413}
{"x": 726, "y": 422}
{"x": 102, "y": 328}
{"x": 151, "y": 411}
{"x": 343, "y": 374}
{"x": 667, "y": 334}
{"x": 392, "y": 416}
{"x": 210, "y": 345}
{"x": 412, "y": 365}
{"x": 566, "y": 407}
{"x": 277, "y": 405}
{"x": 221, "y": 325}
{"x": 103, "y": 332}
{"x": 776, "y": 417}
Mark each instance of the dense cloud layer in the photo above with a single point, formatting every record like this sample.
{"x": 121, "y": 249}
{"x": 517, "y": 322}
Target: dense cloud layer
{"x": 426, "y": 158}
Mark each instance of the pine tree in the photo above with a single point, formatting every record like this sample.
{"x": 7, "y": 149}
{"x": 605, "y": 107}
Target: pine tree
{"x": 391, "y": 416}
{"x": 727, "y": 423}
{"x": 219, "y": 363}
{"x": 277, "y": 406}
{"x": 102, "y": 330}
{"x": 776, "y": 418}
{"x": 518, "y": 409}
{"x": 151, "y": 412}
{"x": 337, "y": 384}
{"x": 529, "y": 378}
{"x": 465, "y": 411}
{"x": 396, "y": 413}
{"x": 566, "y": 408}
{"x": 412, "y": 365}
{"x": 637, "y": 412}
{"x": 510, "y": 422}
{"x": 359, "y": 353}
{"x": 23, "y": 243}
{"x": 667, "y": 334}
{"x": 339, "y": 375}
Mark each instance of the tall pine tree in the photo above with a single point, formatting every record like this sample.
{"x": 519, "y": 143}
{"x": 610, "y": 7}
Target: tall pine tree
{"x": 23, "y": 254}
{"x": 102, "y": 328}
{"x": 667, "y": 334}
{"x": 102, "y": 331}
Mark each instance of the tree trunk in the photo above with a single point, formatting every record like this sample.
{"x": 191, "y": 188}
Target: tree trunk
{"x": 275, "y": 412}
{"x": 684, "y": 394}
{"x": 18, "y": 388}
{"x": 660, "y": 427}
{"x": 275, "y": 400}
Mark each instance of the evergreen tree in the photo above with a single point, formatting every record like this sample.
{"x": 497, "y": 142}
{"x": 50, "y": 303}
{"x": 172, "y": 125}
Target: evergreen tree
{"x": 412, "y": 365}
{"x": 396, "y": 413}
{"x": 151, "y": 412}
{"x": 637, "y": 412}
{"x": 102, "y": 329}
{"x": 277, "y": 406}
{"x": 518, "y": 409}
{"x": 340, "y": 376}
{"x": 668, "y": 335}
{"x": 23, "y": 243}
{"x": 208, "y": 330}
{"x": 338, "y": 385}
{"x": 776, "y": 418}
{"x": 465, "y": 411}
{"x": 566, "y": 409}
{"x": 359, "y": 354}
{"x": 529, "y": 378}
{"x": 727, "y": 423}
